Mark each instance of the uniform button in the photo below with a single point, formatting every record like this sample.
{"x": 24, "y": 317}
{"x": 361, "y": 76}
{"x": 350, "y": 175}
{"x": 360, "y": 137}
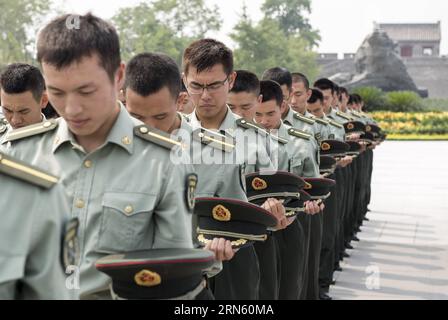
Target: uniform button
{"x": 79, "y": 204}
{"x": 88, "y": 163}
{"x": 47, "y": 124}
{"x": 126, "y": 140}
{"x": 128, "y": 209}
{"x": 144, "y": 130}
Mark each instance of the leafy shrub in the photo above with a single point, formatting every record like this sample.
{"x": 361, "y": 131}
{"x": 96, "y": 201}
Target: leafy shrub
{"x": 374, "y": 98}
{"x": 403, "y": 101}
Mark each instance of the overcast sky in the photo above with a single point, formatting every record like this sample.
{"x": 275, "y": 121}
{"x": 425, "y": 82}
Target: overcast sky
{"x": 343, "y": 24}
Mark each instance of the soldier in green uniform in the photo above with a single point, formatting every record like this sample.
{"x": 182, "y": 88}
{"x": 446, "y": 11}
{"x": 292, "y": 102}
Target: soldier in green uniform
{"x": 245, "y": 95}
{"x": 351, "y": 170}
{"x": 290, "y": 117}
{"x": 152, "y": 89}
{"x": 22, "y": 96}
{"x": 243, "y": 100}
{"x": 343, "y": 175}
{"x": 355, "y": 106}
{"x": 301, "y": 92}
{"x": 31, "y": 232}
{"x": 121, "y": 182}
{"x": 311, "y": 224}
{"x": 302, "y": 162}
{"x": 208, "y": 77}
{"x": 330, "y": 129}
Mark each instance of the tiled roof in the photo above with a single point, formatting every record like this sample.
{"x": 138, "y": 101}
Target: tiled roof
{"x": 412, "y": 31}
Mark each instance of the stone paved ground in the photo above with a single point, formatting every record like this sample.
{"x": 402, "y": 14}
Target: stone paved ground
{"x": 403, "y": 252}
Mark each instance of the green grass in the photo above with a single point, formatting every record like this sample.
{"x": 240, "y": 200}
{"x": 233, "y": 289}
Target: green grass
{"x": 421, "y": 137}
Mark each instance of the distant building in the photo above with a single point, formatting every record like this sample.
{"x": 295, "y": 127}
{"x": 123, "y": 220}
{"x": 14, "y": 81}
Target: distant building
{"x": 419, "y": 46}
{"x": 414, "y": 40}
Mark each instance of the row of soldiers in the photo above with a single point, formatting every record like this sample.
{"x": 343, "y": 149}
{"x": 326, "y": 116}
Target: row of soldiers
{"x": 204, "y": 184}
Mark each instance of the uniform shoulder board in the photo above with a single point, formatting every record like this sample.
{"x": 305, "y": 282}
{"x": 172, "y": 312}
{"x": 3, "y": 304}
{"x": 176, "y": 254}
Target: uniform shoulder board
{"x": 32, "y": 130}
{"x": 156, "y": 136}
{"x": 299, "y": 134}
{"x": 304, "y": 119}
{"x": 26, "y": 172}
{"x": 279, "y": 139}
{"x": 322, "y": 121}
{"x": 343, "y": 115}
{"x": 356, "y": 114}
{"x": 336, "y": 124}
{"x": 365, "y": 115}
{"x": 250, "y": 125}
{"x": 214, "y": 139}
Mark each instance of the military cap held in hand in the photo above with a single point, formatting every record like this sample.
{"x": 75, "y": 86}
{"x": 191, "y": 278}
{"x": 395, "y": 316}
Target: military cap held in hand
{"x": 240, "y": 222}
{"x": 319, "y": 188}
{"x": 354, "y": 127}
{"x": 157, "y": 273}
{"x": 333, "y": 148}
{"x": 279, "y": 184}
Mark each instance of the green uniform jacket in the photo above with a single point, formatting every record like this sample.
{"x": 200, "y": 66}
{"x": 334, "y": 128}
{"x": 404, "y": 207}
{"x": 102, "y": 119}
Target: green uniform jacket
{"x": 31, "y": 229}
{"x": 128, "y": 194}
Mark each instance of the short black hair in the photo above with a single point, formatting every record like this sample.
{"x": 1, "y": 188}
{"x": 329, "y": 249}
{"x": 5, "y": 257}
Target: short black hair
{"x": 20, "y": 77}
{"x": 325, "y": 84}
{"x": 300, "y": 77}
{"x": 316, "y": 95}
{"x": 246, "y": 81}
{"x": 280, "y": 75}
{"x": 343, "y": 90}
{"x": 70, "y": 38}
{"x": 271, "y": 90}
{"x": 358, "y": 97}
{"x": 148, "y": 73}
{"x": 204, "y": 54}
{"x": 336, "y": 88}
{"x": 354, "y": 98}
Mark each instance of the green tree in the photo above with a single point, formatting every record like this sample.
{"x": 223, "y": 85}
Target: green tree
{"x": 263, "y": 45}
{"x": 290, "y": 15}
{"x": 188, "y": 18}
{"x": 19, "y": 21}
{"x": 163, "y": 26}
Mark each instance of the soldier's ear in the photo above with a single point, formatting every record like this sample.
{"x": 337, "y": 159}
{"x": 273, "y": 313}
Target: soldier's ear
{"x": 283, "y": 106}
{"x": 44, "y": 100}
{"x": 232, "y": 78}
{"x": 309, "y": 92}
{"x": 260, "y": 98}
{"x": 180, "y": 101}
{"x": 120, "y": 76}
